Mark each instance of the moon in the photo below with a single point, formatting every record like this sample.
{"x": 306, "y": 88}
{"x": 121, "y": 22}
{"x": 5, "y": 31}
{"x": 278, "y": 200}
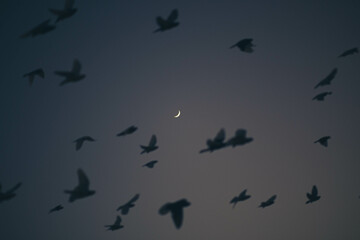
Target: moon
{"x": 178, "y": 115}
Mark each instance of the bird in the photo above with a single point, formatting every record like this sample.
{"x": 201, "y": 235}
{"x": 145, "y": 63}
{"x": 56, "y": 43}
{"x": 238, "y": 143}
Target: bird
{"x": 9, "y": 194}
{"x": 80, "y": 141}
{"x": 31, "y": 75}
{"x": 150, "y": 164}
{"x": 42, "y": 28}
{"x": 82, "y": 189}
{"x": 130, "y": 204}
{"x": 323, "y": 140}
{"x": 242, "y": 197}
{"x": 151, "y": 147}
{"x": 268, "y": 202}
{"x": 66, "y": 12}
{"x": 313, "y": 196}
{"x": 73, "y": 75}
{"x": 57, "y": 208}
{"x": 245, "y": 45}
{"x": 321, "y": 96}
{"x": 239, "y": 138}
{"x": 327, "y": 80}
{"x": 116, "y": 225}
{"x": 176, "y": 209}
{"x": 349, "y": 52}
{"x": 169, "y": 23}
{"x": 216, "y": 143}
{"x": 127, "y": 131}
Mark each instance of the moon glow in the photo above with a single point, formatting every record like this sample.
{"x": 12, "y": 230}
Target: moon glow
{"x": 178, "y": 115}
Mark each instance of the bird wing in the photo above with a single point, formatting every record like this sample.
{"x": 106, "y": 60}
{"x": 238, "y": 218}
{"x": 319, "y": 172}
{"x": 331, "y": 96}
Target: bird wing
{"x": 76, "y": 67}
{"x": 243, "y": 193}
{"x": 152, "y": 142}
{"x": 314, "y": 191}
{"x": 134, "y": 199}
{"x": 177, "y": 216}
{"x": 234, "y": 200}
{"x": 117, "y": 221}
{"x": 220, "y": 136}
{"x": 272, "y": 199}
{"x": 164, "y": 209}
{"x": 79, "y": 143}
{"x": 69, "y": 4}
{"x": 327, "y": 80}
{"x": 173, "y": 15}
{"x": 43, "y": 24}
{"x": 63, "y": 73}
{"x": 88, "y": 138}
{"x": 161, "y": 22}
{"x": 14, "y": 188}
{"x": 83, "y": 179}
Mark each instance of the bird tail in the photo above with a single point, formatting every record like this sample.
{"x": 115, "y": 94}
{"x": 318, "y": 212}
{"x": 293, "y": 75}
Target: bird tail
{"x": 233, "y": 46}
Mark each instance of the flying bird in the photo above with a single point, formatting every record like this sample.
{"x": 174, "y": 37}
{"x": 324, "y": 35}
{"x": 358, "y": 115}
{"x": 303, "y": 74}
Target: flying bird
{"x": 245, "y": 45}
{"x": 117, "y": 224}
{"x": 242, "y": 197}
{"x": 31, "y": 75}
{"x": 169, "y": 23}
{"x": 80, "y": 141}
{"x": 239, "y": 139}
{"x": 151, "y": 147}
{"x": 150, "y": 164}
{"x": 42, "y": 28}
{"x": 321, "y": 96}
{"x": 349, "y": 52}
{"x": 327, "y": 80}
{"x": 66, "y": 12}
{"x": 216, "y": 143}
{"x": 323, "y": 141}
{"x": 9, "y": 194}
{"x": 313, "y": 196}
{"x": 130, "y": 204}
{"x": 268, "y": 202}
{"x": 82, "y": 189}
{"x": 176, "y": 209}
{"x": 73, "y": 75}
{"x": 127, "y": 131}
{"x": 57, "y": 208}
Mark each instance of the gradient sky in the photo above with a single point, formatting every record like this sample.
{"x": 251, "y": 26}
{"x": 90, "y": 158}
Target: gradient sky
{"x": 136, "y": 77}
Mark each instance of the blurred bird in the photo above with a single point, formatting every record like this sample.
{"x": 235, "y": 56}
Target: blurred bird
{"x": 216, "y": 143}
{"x": 313, "y": 196}
{"x": 169, "y": 23}
{"x": 117, "y": 224}
{"x": 67, "y": 12}
{"x": 242, "y": 197}
{"x": 73, "y": 75}
{"x": 327, "y": 80}
{"x": 42, "y": 28}
{"x": 321, "y": 96}
{"x": 80, "y": 141}
{"x": 349, "y": 52}
{"x": 268, "y": 202}
{"x": 176, "y": 209}
{"x": 239, "y": 138}
{"x": 245, "y": 45}
{"x": 82, "y": 189}
{"x": 57, "y": 208}
{"x": 31, "y": 75}
{"x": 151, "y": 147}
{"x": 150, "y": 164}
{"x": 323, "y": 141}
{"x": 130, "y": 204}
{"x": 127, "y": 131}
{"x": 9, "y": 194}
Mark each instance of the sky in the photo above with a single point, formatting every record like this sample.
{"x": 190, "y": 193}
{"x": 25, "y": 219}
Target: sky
{"x": 137, "y": 77}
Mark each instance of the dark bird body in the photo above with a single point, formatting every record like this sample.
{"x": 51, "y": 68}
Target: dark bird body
{"x": 127, "y": 131}
{"x": 9, "y": 194}
{"x": 151, "y": 147}
{"x": 80, "y": 141}
{"x": 327, "y": 80}
{"x": 323, "y": 141}
{"x": 42, "y": 28}
{"x": 67, "y": 12}
{"x": 56, "y": 209}
{"x": 268, "y": 202}
{"x": 130, "y": 204}
{"x": 82, "y": 189}
{"x": 239, "y": 139}
{"x": 242, "y": 197}
{"x": 150, "y": 164}
{"x": 169, "y": 23}
{"x": 31, "y": 75}
{"x": 245, "y": 45}
{"x": 349, "y": 52}
{"x": 321, "y": 96}
{"x": 116, "y": 225}
{"x": 176, "y": 209}
{"x": 73, "y": 75}
{"x": 313, "y": 196}
{"x": 216, "y": 143}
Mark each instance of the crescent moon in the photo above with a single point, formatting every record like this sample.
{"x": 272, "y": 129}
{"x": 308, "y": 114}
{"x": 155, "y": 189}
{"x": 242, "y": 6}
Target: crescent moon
{"x": 178, "y": 115}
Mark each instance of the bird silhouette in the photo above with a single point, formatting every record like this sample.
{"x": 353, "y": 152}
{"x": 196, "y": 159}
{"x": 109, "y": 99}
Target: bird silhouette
{"x": 31, "y": 75}
{"x": 57, "y": 208}
{"x": 169, "y": 23}
{"x": 80, "y": 141}
{"x": 82, "y": 189}
{"x": 268, "y": 202}
{"x": 239, "y": 138}
{"x": 349, "y": 52}
{"x": 242, "y": 197}
{"x": 130, "y": 204}
{"x": 327, "y": 80}
{"x": 116, "y": 225}
{"x": 150, "y": 164}
{"x": 9, "y": 194}
{"x": 313, "y": 196}
{"x": 216, "y": 143}
{"x": 73, "y": 75}
{"x": 127, "y": 131}
{"x": 176, "y": 209}
{"x": 66, "y": 12}
{"x": 245, "y": 45}
{"x": 151, "y": 147}
{"x": 321, "y": 96}
{"x": 323, "y": 140}
{"x": 42, "y": 28}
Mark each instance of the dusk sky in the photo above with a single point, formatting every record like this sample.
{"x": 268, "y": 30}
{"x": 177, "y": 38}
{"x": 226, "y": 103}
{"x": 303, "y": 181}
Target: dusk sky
{"x": 137, "y": 77}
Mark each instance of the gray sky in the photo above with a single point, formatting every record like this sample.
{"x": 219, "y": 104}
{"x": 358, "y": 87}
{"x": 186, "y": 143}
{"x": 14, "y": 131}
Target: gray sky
{"x": 135, "y": 77}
